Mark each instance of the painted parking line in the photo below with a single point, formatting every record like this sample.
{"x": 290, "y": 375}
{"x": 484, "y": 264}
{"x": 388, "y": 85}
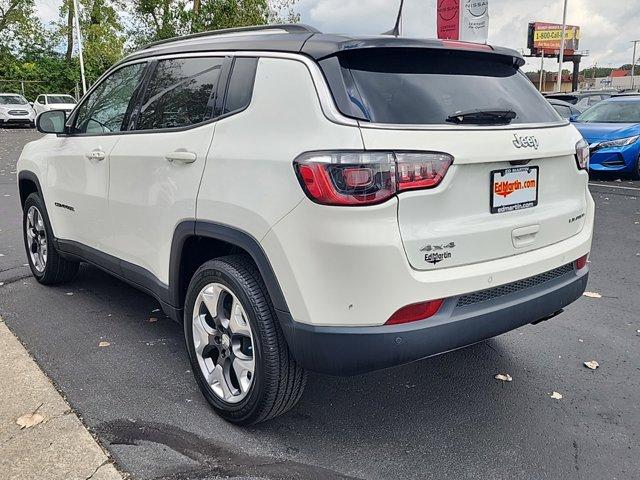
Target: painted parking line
{"x": 614, "y": 186}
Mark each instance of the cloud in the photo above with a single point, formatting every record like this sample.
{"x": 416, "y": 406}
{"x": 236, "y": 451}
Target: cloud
{"x": 48, "y": 10}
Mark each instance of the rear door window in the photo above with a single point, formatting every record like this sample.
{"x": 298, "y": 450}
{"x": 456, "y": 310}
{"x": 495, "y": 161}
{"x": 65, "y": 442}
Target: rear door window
{"x": 425, "y": 87}
{"x": 181, "y": 93}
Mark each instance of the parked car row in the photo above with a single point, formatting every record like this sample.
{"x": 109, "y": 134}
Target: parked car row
{"x": 17, "y": 110}
{"x": 610, "y": 123}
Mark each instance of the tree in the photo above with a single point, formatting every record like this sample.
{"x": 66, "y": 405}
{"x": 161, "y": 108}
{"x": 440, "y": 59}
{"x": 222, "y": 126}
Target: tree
{"x": 13, "y": 12}
{"x": 160, "y": 19}
{"x": 102, "y": 32}
{"x": 68, "y": 4}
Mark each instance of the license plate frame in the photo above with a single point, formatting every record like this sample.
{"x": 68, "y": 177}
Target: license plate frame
{"x": 521, "y": 191}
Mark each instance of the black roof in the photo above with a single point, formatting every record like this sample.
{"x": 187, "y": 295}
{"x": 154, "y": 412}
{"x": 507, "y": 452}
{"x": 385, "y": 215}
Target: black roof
{"x": 300, "y": 38}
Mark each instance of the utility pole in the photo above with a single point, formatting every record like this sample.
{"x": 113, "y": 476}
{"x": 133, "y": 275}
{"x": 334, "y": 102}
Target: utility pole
{"x": 79, "y": 34}
{"x": 541, "y": 71}
{"x": 633, "y": 64}
{"x": 561, "y": 56}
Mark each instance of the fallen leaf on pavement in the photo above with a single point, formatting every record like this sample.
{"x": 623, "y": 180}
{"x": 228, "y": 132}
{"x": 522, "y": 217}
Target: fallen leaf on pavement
{"x": 104, "y": 344}
{"x": 29, "y": 420}
{"x": 504, "y": 377}
{"x": 153, "y": 320}
{"x": 556, "y": 396}
{"x": 592, "y": 295}
{"x": 592, "y": 365}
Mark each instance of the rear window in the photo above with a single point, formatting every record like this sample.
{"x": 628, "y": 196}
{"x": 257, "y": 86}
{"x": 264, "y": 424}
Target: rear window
{"x": 425, "y": 87}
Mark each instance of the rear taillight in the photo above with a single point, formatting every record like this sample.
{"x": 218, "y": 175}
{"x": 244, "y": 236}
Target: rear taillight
{"x": 367, "y": 178}
{"x": 582, "y": 262}
{"x": 415, "y": 312}
{"x": 582, "y": 155}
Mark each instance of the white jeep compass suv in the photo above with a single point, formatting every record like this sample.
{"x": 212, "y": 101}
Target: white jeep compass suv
{"x": 304, "y": 201}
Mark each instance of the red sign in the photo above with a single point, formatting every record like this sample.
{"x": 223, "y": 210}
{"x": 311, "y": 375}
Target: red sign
{"x": 449, "y": 19}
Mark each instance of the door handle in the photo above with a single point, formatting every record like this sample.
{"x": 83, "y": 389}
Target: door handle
{"x": 97, "y": 155}
{"x": 181, "y": 156}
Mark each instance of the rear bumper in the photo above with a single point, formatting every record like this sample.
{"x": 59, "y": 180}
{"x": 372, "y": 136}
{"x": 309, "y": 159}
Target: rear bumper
{"x": 462, "y": 321}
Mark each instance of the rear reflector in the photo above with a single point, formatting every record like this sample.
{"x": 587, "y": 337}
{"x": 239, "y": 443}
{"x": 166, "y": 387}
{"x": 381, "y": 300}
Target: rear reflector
{"x": 582, "y": 262}
{"x": 415, "y": 312}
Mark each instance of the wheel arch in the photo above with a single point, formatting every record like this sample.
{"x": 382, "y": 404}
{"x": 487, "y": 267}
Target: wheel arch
{"x": 28, "y": 183}
{"x": 195, "y": 242}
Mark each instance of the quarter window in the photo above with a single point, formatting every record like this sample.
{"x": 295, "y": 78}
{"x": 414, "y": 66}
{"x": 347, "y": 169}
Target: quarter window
{"x": 107, "y": 108}
{"x": 181, "y": 93}
{"x": 241, "y": 84}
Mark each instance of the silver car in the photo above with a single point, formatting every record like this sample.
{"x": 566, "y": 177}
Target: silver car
{"x": 15, "y": 110}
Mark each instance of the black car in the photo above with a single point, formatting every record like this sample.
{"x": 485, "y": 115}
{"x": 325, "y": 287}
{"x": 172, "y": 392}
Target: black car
{"x": 565, "y": 109}
{"x": 584, "y": 99}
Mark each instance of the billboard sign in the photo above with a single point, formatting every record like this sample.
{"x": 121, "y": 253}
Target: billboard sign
{"x": 548, "y": 37}
{"x": 464, "y": 20}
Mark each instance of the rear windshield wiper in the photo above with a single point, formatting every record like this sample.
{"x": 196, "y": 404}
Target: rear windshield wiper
{"x": 483, "y": 117}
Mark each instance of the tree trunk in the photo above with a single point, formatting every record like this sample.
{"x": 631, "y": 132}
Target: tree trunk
{"x": 69, "y": 30}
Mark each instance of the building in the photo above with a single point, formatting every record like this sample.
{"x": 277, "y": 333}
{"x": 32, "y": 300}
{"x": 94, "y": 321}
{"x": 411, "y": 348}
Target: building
{"x": 550, "y": 81}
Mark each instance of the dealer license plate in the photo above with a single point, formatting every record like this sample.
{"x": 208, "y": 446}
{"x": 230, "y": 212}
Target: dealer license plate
{"x": 514, "y": 189}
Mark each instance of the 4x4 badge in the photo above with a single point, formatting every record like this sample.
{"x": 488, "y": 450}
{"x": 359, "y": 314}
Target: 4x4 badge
{"x": 430, "y": 248}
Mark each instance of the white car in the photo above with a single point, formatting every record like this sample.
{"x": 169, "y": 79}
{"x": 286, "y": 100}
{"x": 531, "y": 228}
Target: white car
{"x": 315, "y": 202}
{"x": 47, "y": 102}
{"x": 15, "y": 110}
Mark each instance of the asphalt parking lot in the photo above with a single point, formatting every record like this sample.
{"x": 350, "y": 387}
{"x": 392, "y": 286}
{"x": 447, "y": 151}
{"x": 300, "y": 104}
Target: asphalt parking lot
{"x": 441, "y": 418}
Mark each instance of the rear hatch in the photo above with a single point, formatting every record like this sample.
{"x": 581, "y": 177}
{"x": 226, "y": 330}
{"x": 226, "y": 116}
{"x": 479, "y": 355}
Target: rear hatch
{"x": 514, "y": 185}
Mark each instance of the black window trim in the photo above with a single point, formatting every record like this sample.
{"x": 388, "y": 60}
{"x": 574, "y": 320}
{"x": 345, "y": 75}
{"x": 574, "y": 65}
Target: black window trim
{"x": 151, "y": 62}
{"x": 228, "y": 82}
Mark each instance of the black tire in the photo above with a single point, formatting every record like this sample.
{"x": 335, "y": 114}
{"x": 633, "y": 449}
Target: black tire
{"x": 56, "y": 269}
{"x": 278, "y": 382}
{"x": 635, "y": 175}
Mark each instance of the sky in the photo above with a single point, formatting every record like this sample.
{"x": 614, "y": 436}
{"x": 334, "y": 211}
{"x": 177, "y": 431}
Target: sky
{"x": 608, "y": 26}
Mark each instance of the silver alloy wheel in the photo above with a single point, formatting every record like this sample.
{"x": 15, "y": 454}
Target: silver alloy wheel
{"x": 223, "y": 342}
{"x": 36, "y": 239}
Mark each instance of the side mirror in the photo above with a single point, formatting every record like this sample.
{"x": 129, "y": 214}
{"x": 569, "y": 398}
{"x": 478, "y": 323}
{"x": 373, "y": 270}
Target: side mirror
{"x": 52, "y": 121}
{"x": 574, "y": 118}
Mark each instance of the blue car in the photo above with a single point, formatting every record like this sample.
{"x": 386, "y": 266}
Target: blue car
{"x": 612, "y": 129}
